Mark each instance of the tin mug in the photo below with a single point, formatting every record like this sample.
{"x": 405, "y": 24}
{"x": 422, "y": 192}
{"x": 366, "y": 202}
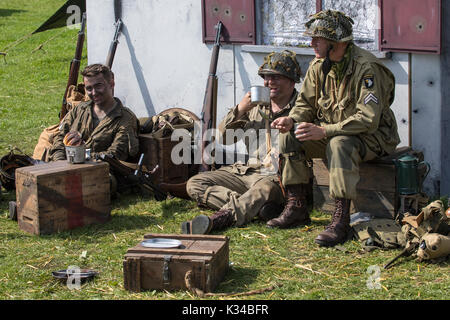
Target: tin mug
{"x": 77, "y": 154}
{"x": 260, "y": 95}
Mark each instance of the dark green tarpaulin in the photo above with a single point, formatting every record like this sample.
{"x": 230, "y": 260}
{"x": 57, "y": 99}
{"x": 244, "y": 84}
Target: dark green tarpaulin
{"x": 59, "y": 19}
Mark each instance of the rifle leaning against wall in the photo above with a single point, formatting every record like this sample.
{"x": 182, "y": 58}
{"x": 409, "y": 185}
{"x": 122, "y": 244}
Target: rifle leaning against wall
{"x": 209, "y": 111}
{"x": 114, "y": 43}
{"x": 74, "y": 66}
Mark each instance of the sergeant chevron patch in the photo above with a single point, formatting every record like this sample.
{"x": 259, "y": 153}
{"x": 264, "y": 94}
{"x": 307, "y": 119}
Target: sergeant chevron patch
{"x": 370, "y": 97}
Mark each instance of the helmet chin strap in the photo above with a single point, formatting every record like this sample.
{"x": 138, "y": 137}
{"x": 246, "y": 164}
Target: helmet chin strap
{"x": 326, "y": 67}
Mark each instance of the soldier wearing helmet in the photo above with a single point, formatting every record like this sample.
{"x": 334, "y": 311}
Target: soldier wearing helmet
{"x": 342, "y": 114}
{"x": 240, "y": 192}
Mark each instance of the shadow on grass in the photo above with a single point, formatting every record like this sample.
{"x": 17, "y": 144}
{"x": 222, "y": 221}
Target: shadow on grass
{"x": 127, "y": 215}
{"x": 237, "y": 280}
{"x": 9, "y": 12}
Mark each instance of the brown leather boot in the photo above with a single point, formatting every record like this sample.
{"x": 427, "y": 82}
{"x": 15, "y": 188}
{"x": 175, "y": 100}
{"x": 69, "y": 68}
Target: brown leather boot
{"x": 295, "y": 212}
{"x": 336, "y": 232}
{"x": 203, "y": 224}
{"x": 270, "y": 210}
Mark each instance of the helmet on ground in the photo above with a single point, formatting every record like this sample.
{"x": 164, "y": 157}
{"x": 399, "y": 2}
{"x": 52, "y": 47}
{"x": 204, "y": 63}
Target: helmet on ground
{"x": 331, "y": 25}
{"x": 283, "y": 63}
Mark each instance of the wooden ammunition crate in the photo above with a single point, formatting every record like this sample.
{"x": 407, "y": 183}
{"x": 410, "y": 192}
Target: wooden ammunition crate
{"x": 58, "y": 196}
{"x": 200, "y": 262}
{"x": 376, "y": 189}
{"x": 157, "y": 151}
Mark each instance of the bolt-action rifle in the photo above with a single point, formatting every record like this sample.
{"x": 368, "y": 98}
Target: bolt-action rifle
{"x": 406, "y": 252}
{"x": 114, "y": 43}
{"x": 209, "y": 111}
{"x": 74, "y": 66}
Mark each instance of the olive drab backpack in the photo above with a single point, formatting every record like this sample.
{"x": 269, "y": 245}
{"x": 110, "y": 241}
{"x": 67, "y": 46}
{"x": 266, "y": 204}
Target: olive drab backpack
{"x": 428, "y": 232}
{"x": 75, "y": 95}
{"x": 425, "y": 234}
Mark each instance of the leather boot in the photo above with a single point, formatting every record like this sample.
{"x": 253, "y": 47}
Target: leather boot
{"x": 203, "y": 224}
{"x": 336, "y": 232}
{"x": 295, "y": 212}
{"x": 270, "y": 210}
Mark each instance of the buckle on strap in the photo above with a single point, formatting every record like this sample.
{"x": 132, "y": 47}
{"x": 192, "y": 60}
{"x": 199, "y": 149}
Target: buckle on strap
{"x": 166, "y": 271}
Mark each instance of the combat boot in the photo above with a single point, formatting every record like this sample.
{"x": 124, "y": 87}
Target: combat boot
{"x": 295, "y": 212}
{"x": 269, "y": 211}
{"x": 338, "y": 230}
{"x": 203, "y": 224}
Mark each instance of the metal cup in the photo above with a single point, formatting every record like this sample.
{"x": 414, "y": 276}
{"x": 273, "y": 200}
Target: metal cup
{"x": 76, "y": 154}
{"x": 260, "y": 95}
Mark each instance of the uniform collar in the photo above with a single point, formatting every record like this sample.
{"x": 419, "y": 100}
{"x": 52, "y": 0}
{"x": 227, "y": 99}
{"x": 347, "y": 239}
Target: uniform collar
{"x": 344, "y": 66}
{"x": 115, "y": 112}
{"x": 291, "y": 102}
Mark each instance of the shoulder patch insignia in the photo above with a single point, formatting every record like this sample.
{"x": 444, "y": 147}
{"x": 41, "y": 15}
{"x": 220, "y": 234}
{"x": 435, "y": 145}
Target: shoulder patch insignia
{"x": 368, "y": 81}
{"x": 370, "y": 97}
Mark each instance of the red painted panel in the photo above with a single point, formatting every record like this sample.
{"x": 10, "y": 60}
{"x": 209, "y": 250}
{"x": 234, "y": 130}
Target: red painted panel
{"x": 237, "y": 16}
{"x": 411, "y": 25}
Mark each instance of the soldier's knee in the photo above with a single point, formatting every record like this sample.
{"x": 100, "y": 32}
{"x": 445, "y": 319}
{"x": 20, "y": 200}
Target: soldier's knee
{"x": 195, "y": 187}
{"x": 288, "y": 142}
{"x": 341, "y": 145}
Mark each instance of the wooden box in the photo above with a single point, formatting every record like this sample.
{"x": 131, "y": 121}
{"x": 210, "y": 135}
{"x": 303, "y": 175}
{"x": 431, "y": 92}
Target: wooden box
{"x": 376, "y": 189}
{"x": 200, "y": 262}
{"x": 157, "y": 151}
{"x": 58, "y": 196}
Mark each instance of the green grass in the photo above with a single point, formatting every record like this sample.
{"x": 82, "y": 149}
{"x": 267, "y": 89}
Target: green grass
{"x": 31, "y": 89}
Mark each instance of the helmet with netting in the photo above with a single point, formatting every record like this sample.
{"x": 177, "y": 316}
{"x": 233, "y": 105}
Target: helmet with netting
{"x": 283, "y": 63}
{"x": 331, "y": 25}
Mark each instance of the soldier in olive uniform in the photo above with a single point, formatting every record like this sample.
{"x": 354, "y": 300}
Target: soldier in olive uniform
{"x": 342, "y": 114}
{"x": 239, "y": 192}
{"x": 103, "y": 123}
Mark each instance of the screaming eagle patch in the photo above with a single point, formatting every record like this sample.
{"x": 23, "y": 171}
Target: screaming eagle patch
{"x": 368, "y": 81}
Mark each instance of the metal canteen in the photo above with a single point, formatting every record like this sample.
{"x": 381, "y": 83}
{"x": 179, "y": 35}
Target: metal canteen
{"x": 408, "y": 180}
{"x": 260, "y": 95}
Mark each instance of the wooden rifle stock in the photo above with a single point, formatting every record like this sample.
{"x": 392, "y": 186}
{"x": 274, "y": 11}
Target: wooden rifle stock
{"x": 114, "y": 43}
{"x": 74, "y": 66}
{"x": 209, "y": 111}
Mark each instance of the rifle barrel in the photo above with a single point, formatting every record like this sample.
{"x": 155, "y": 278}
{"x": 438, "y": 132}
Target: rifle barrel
{"x": 74, "y": 66}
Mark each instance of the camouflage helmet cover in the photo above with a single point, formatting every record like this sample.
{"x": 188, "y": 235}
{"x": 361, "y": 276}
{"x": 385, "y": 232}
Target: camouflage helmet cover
{"x": 283, "y": 63}
{"x": 331, "y": 25}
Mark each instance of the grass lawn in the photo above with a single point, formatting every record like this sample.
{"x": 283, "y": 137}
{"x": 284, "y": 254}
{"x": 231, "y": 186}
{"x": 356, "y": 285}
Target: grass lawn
{"x": 32, "y": 83}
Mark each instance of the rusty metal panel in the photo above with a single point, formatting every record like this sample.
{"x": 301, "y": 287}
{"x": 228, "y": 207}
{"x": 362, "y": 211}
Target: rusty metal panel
{"x": 237, "y": 16}
{"x": 411, "y": 26}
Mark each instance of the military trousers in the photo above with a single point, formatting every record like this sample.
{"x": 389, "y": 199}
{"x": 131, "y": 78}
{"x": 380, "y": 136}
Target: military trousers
{"x": 239, "y": 188}
{"x": 343, "y": 154}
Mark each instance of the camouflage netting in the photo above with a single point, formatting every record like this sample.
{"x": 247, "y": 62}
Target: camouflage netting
{"x": 284, "y": 63}
{"x": 329, "y": 24}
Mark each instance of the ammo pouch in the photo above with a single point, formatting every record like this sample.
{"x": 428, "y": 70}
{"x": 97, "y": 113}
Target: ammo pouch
{"x": 379, "y": 233}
